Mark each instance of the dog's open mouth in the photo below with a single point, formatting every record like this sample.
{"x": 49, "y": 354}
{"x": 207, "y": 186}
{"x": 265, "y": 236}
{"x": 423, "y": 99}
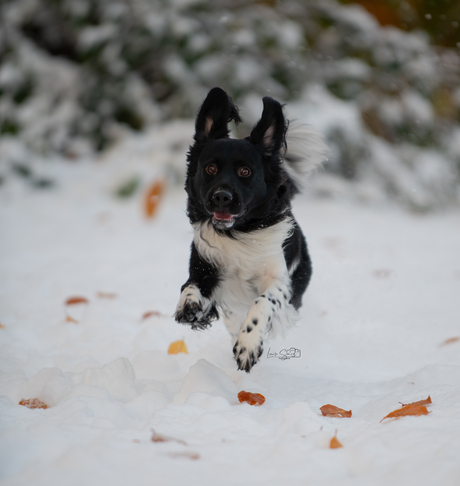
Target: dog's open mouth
{"x": 223, "y": 220}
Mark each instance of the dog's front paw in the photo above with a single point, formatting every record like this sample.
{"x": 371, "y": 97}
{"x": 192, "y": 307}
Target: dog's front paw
{"x": 247, "y": 351}
{"x": 193, "y": 309}
{"x": 192, "y": 313}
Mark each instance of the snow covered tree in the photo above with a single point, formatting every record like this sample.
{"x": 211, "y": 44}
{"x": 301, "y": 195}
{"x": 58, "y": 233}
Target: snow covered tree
{"x": 76, "y": 75}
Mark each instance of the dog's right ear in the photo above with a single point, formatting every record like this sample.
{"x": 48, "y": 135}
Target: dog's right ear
{"x": 214, "y": 115}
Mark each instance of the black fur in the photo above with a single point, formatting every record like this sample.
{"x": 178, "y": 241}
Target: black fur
{"x": 236, "y": 187}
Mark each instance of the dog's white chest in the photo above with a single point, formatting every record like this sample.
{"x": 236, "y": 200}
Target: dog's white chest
{"x": 248, "y": 263}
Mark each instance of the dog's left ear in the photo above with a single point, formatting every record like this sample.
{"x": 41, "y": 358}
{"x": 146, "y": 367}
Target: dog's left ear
{"x": 214, "y": 115}
{"x": 271, "y": 129}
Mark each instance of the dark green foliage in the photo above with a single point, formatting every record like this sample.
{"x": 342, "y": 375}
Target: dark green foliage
{"x": 74, "y": 75}
{"x": 21, "y": 170}
{"x": 8, "y": 127}
{"x": 128, "y": 188}
{"x": 43, "y": 183}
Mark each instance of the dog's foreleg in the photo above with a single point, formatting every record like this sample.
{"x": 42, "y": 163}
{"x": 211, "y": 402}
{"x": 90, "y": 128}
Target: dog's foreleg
{"x": 272, "y": 305}
{"x": 196, "y": 306}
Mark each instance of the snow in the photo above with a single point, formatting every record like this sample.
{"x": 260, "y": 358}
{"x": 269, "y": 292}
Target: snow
{"x": 383, "y": 298}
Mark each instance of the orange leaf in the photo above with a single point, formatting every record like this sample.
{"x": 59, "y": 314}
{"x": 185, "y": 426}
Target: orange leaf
{"x": 427, "y": 401}
{"x": 33, "y": 403}
{"x": 2, "y": 326}
{"x": 71, "y": 319}
{"x": 177, "y": 347}
{"x": 164, "y": 438}
{"x": 251, "y": 398}
{"x": 106, "y": 295}
{"x": 450, "y": 340}
{"x": 150, "y": 314}
{"x": 414, "y": 410}
{"x": 76, "y": 300}
{"x": 333, "y": 411}
{"x": 153, "y": 196}
{"x": 335, "y": 444}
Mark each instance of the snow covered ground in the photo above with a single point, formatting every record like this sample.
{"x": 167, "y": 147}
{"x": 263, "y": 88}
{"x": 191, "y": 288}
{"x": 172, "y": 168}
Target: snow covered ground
{"x": 383, "y": 299}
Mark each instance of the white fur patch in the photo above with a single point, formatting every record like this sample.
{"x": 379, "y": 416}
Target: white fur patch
{"x": 245, "y": 250}
{"x": 251, "y": 264}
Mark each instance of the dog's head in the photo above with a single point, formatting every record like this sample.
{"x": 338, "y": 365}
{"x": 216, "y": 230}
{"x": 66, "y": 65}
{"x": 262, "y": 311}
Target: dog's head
{"x": 234, "y": 183}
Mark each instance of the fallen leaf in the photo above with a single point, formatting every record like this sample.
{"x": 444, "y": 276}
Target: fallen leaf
{"x": 71, "y": 319}
{"x": 450, "y": 341}
{"x": 33, "y": 403}
{"x": 414, "y": 410}
{"x": 427, "y": 401}
{"x": 2, "y": 326}
{"x": 152, "y": 197}
{"x": 106, "y": 295}
{"x": 177, "y": 347}
{"x": 150, "y": 314}
{"x": 187, "y": 455}
{"x": 333, "y": 411}
{"x": 164, "y": 438}
{"x": 76, "y": 300}
{"x": 251, "y": 398}
{"x": 335, "y": 443}
{"x": 381, "y": 273}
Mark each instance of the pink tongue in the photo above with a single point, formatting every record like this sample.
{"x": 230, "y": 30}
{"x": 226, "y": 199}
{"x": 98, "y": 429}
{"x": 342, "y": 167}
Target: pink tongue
{"x": 222, "y": 215}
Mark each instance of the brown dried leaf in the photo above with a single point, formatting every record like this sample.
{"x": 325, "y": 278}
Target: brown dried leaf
{"x": 106, "y": 295}
{"x": 333, "y": 411}
{"x": 71, "y": 319}
{"x": 251, "y": 398}
{"x": 2, "y": 326}
{"x": 148, "y": 314}
{"x": 153, "y": 196}
{"x": 414, "y": 410}
{"x": 335, "y": 443}
{"x": 76, "y": 300}
{"x": 188, "y": 455}
{"x": 163, "y": 438}
{"x": 381, "y": 273}
{"x": 427, "y": 401}
{"x": 177, "y": 347}
{"x": 33, "y": 403}
{"x": 450, "y": 341}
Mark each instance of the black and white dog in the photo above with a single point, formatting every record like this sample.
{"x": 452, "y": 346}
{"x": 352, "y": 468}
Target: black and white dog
{"x": 249, "y": 258}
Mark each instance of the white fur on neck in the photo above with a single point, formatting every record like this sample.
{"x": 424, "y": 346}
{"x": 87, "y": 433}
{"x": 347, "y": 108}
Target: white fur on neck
{"x": 251, "y": 264}
{"x": 244, "y": 250}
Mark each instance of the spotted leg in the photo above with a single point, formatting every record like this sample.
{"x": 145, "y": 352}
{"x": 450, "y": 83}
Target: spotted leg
{"x": 272, "y": 306}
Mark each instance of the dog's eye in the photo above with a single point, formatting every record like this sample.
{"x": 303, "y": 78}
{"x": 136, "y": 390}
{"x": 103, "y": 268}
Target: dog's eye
{"x": 244, "y": 172}
{"x": 211, "y": 169}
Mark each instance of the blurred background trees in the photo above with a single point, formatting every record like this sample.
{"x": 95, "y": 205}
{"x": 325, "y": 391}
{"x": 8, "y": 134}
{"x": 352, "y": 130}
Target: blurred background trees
{"x": 381, "y": 80}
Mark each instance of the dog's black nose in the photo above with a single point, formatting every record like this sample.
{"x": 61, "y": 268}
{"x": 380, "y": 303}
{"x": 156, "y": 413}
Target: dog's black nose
{"x": 222, "y": 198}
